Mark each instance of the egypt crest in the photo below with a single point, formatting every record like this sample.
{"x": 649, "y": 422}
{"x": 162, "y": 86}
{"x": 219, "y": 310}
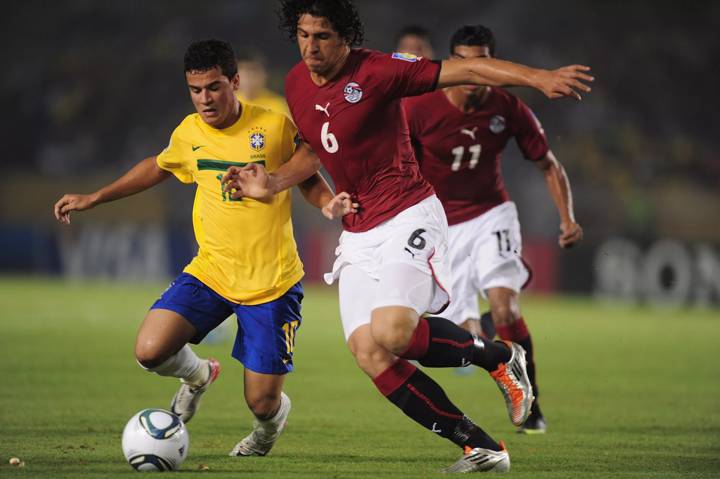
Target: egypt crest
{"x": 497, "y": 124}
{"x": 257, "y": 139}
{"x": 353, "y": 92}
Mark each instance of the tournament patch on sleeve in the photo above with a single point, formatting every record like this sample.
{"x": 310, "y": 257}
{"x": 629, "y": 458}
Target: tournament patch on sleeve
{"x": 406, "y": 57}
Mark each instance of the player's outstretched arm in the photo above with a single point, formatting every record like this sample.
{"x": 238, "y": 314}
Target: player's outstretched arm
{"x": 141, "y": 177}
{"x": 558, "y": 185}
{"x": 563, "y": 82}
{"x": 253, "y": 180}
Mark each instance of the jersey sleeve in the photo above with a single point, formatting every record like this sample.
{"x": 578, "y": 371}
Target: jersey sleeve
{"x": 402, "y": 74}
{"x": 529, "y": 133}
{"x": 172, "y": 159}
{"x": 290, "y": 139}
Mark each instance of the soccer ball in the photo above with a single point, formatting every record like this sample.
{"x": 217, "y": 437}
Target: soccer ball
{"x": 155, "y": 440}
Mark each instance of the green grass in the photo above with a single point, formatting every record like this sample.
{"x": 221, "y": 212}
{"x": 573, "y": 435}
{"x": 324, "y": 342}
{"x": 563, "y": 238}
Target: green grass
{"x": 628, "y": 392}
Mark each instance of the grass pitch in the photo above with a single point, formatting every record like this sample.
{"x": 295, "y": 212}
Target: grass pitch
{"x": 628, "y": 392}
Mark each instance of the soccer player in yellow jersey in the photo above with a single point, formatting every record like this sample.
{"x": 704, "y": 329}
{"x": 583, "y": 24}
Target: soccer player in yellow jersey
{"x": 247, "y": 262}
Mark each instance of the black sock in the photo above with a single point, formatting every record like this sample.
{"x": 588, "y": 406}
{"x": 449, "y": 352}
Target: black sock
{"x": 438, "y": 342}
{"x": 487, "y": 325}
{"x": 490, "y": 354}
{"x": 424, "y": 401}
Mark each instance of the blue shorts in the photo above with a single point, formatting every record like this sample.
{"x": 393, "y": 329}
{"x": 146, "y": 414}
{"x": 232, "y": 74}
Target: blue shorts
{"x": 265, "y": 338}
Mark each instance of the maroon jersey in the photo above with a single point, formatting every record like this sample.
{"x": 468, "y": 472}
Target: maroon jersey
{"x": 356, "y": 125}
{"x": 459, "y": 153}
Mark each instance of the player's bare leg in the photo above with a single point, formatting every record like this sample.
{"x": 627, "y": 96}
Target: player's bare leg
{"x": 271, "y": 406}
{"x": 161, "y": 347}
{"x": 510, "y": 325}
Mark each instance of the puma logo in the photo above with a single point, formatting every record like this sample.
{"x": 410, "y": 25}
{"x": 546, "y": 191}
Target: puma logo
{"x": 325, "y": 109}
{"x": 470, "y": 133}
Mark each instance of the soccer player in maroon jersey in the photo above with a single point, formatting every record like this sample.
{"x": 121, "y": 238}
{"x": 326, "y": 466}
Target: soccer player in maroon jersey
{"x": 392, "y": 259}
{"x": 459, "y": 134}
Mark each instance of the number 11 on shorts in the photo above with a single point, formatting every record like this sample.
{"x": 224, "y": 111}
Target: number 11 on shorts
{"x": 290, "y": 329}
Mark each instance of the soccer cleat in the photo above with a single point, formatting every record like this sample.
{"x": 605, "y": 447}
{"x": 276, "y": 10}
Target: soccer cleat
{"x": 534, "y": 424}
{"x": 265, "y": 433}
{"x": 481, "y": 460}
{"x": 513, "y": 381}
{"x": 186, "y": 400}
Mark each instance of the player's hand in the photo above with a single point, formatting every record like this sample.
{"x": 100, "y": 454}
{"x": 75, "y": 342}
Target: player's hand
{"x": 339, "y": 206}
{"x": 249, "y": 181}
{"x": 72, "y": 202}
{"x": 565, "y": 82}
{"x": 571, "y": 233}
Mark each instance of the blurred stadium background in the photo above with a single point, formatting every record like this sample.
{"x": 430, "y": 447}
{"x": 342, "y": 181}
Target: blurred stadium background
{"x": 94, "y": 87}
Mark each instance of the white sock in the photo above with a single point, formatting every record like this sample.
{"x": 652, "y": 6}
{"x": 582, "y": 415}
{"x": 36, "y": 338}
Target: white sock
{"x": 186, "y": 365}
{"x": 270, "y": 426}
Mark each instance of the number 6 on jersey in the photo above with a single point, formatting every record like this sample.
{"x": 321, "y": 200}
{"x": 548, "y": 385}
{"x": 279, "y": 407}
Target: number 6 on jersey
{"x": 329, "y": 142}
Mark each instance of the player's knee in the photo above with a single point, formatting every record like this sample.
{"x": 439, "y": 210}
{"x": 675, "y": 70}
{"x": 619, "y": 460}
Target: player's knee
{"x": 392, "y": 338}
{"x": 372, "y": 361}
{"x": 263, "y": 406}
{"x": 149, "y": 353}
{"x": 503, "y": 315}
{"x": 392, "y": 330}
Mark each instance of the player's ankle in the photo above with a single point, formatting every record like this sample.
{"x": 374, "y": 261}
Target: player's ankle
{"x": 490, "y": 354}
{"x": 200, "y": 375}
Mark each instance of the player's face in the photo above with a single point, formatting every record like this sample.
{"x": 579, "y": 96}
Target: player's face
{"x": 213, "y": 95}
{"x": 321, "y": 47}
{"x": 468, "y": 51}
{"x": 415, "y": 45}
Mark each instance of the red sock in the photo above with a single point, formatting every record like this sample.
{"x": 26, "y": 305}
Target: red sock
{"x": 515, "y": 332}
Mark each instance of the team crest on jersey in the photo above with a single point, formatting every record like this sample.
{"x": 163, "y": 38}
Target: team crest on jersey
{"x": 497, "y": 124}
{"x": 406, "y": 57}
{"x": 257, "y": 139}
{"x": 353, "y": 92}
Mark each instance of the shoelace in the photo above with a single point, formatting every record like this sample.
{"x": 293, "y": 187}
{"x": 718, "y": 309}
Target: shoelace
{"x": 512, "y": 385}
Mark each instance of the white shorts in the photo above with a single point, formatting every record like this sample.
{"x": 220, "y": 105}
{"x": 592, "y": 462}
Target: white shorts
{"x": 401, "y": 262}
{"x": 485, "y": 253}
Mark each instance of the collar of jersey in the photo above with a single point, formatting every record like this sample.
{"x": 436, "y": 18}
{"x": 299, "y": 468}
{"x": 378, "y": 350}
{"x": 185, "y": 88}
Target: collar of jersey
{"x": 232, "y": 129}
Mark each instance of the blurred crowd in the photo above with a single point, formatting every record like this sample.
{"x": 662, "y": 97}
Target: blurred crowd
{"x": 91, "y": 87}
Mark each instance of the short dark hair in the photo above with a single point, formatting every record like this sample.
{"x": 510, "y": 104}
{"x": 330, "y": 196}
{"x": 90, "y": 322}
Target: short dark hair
{"x": 205, "y": 55}
{"x": 341, "y": 14}
{"x": 473, "y": 36}
{"x": 414, "y": 30}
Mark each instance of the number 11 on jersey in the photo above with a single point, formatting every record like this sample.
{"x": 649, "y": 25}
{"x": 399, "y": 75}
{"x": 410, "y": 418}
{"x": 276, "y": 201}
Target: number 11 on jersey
{"x": 459, "y": 152}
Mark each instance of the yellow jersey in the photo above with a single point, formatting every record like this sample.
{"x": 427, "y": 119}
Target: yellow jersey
{"x": 247, "y": 252}
{"x": 267, "y": 99}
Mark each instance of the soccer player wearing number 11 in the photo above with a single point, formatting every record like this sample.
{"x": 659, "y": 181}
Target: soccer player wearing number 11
{"x": 459, "y": 134}
{"x": 392, "y": 258}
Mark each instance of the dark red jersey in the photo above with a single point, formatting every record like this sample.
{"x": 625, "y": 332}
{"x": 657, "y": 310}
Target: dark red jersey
{"x": 356, "y": 125}
{"x": 459, "y": 153}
